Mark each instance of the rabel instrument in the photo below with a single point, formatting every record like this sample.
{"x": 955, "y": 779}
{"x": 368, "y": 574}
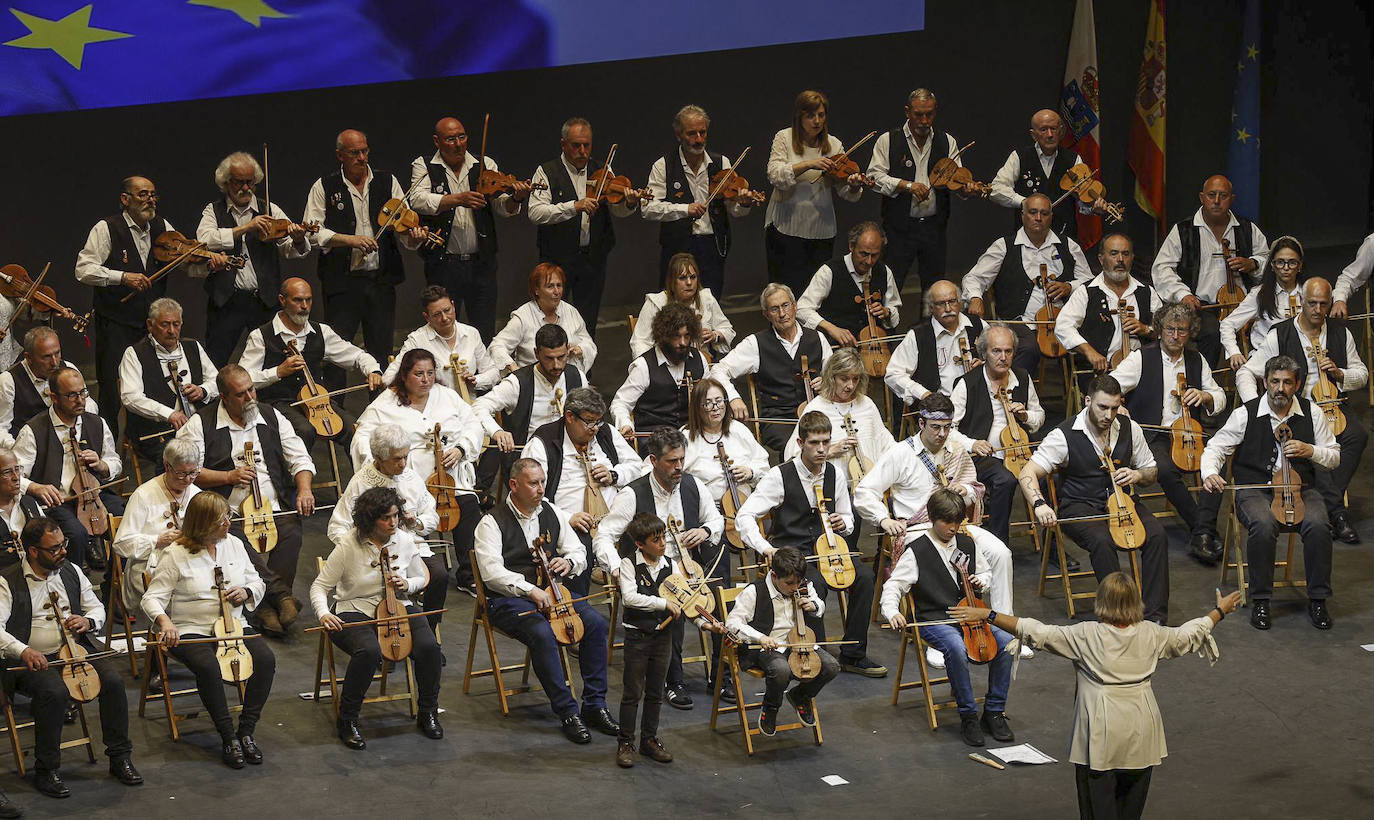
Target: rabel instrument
{"x": 1124, "y": 311}
{"x": 1287, "y": 505}
{"x": 1230, "y": 293}
{"x": 801, "y": 654}
{"x": 593, "y": 502}
{"x": 1045, "y": 318}
{"x": 235, "y": 663}
{"x": 79, "y": 676}
{"x": 1185, "y": 434}
{"x": 832, "y": 552}
{"x": 979, "y": 642}
{"x": 858, "y": 463}
{"x": 393, "y": 629}
{"x": 874, "y": 352}
{"x": 1123, "y": 522}
{"x": 315, "y": 403}
{"x": 563, "y": 618}
{"x": 1079, "y": 181}
{"x": 1016, "y": 449}
{"x": 805, "y": 376}
{"x": 1326, "y": 395}
{"x": 443, "y": 487}
{"x": 731, "y": 499}
{"x": 90, "y": 510}
{"x": 259, "y": 525}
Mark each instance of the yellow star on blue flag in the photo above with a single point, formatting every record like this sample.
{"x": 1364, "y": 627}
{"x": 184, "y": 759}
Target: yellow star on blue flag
{"x": 1243, "y": 154}
{"x": 252, "y": 11}
{"x": 66, "y": 37}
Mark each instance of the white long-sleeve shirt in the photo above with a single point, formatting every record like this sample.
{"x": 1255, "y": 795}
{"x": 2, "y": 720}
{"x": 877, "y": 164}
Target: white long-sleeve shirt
{"x": 630, "y": 595}
{"x": 26, "y": 452}
{"x": 544, "y": 211}
{"x": 1002, "y": 184}
{"x": 1325, "y": 452}
{"x": 466, "y": 344}
{"x": 44, "y": 635}
{"x": 7, "y": 399}
{"x": 1068, "y": 325}
{"x": 513, "y": 346}
{"x": 906, "y": 573}
{"x": 1035, "y": 414}
{"x": 1128, "y": 375}
{"x": 981, "y": 276}
{"x": 744, "y": 359}
{"x": 90, "y": 261}
{"x": 705, "y": 306}
{"x": 881, "y": 170}
{"x": 662, "y": 209}
{"x": 364, "y": 212}
{"x": 546, "y": 405}
{"x": 353, "y": 573}
{"x": 462, "y": 236}
{"x": 573, "y": 480}
{"x": 636, "y": 382}
{"x": 131, "y": 390}
{"x": 1356, "y": 273}
{"x": 803, "y": 206}
{"x": 487, "y": 544}
{"x": 1053, "y": 451}
{"x": 458, "y": 424}
{"x": 783, "y": 619}
{"x": 183, "y": 588}
{"x": 337, "y": 351}
{"x": 901, "y": 367}
{"x": 869, "y": 427}
{"x": 769, "y": 493}
{"x": 409, "y": 485}
{"x": 703, "y": 462}
{"x": 1250, "y": 377}
{"x": 221, "y": 240}
{"x": 902, "y": 472}
{"x": 667, "y": 504}
{"x": 147, "y": 515}
{"x": 1234, "y": 324}
{"x": 1211, "y": 265}
{"x": 292, "y": 449}
{"x": 809, "y": 305}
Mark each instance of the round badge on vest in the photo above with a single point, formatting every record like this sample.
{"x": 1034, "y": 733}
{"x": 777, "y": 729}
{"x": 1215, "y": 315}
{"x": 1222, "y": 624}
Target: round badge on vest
{"x": 908, "y": 163}
{"x": 677, "y": 185}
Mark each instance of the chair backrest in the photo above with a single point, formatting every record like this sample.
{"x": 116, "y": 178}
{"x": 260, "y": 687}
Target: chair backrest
{"x": 115, "y": 521}
{"x": 632, "y": 320}
{"x": 480, "y": 611}
{"x": 725, "y": 600}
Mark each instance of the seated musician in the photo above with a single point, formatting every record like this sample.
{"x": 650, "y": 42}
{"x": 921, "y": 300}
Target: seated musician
{"x": 44, "y": 451}
{"x": 843, "y": 397}
{"x": 503, "y": 545}
{"x": 561, "y": 446}
{"x": 841, "y": 294}
{"x": 1077, "y": 449}
{"x": 1091, "y": 322}
{"x": 654, "y": 393}
{"x": 1277, "y": 297}
{"x": 764, "y": 613}
{"x": 1340, "y": 361}
{"x": 1011, "y": 268}
{"x": 774, "y": 356}
{"x": 30, "y": 635}
{"x": 451, "y": 342}
{"x": 417, "y": 404}
{"x": 673, "y": 495}
{"x": 925, "y": 569}
{"x": 1255, "y": 447}
{"x": 710, "y": 424}
{"x": 283, "y": 472}
{"x": 1193, "y": 265}
{"x": 152, "y": 518}
{"x": 352, "y": 574}
{"x": 24, "y": 387}
{"x": 1149, "y": 377}
{"x": 514, "y": 345}
{"x": 145, "y": 386}
{"x": 788, "y": 491}
{"x": 683, "y": 286}
{"x": 928, "y": 358}
{"x": 183, "y": 603}
{"x": 280, "y": 375}
{"x": 16, "y": 509}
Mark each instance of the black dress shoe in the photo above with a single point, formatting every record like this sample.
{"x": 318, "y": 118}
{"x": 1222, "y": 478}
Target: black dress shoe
{"x": 428, "y": 724}
{"x": 122, "y": 769}
{"x": 251, "y": 752}
{"x": 50, "y": 783}
{"x": 1259, "y": 613}
{"x": 1203, "y": 546}
{"x": 1316, "y": 611}
{"x": 727, "y": 693}
{"x": 970, "y": 731}
{"x": 575, "y": 730}
{"x": 351, "y": 737}
{"x": 600, "y": 719}
{"x": 995, "y": 724}
{"x": 677, "y": 697}
{"x": 8, "y": 808}
{"x": 1341, "y": 529}
{"x": 232, "y": 754}
{"x": 72, "y": 711}
{"x": 1069, "y": 559}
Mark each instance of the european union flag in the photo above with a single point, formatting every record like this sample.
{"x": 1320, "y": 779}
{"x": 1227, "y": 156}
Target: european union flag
{"x": 1243, "y": 159}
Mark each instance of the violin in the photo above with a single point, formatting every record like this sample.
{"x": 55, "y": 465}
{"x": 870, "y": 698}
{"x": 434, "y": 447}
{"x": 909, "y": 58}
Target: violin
{"x": 259, "y": 527}
{"x": 1124, "y": 311}
{"x": 805, "y": 376}
{"x": 801, "y": 657}
{"x": 16, "y": 284}
{"x": 442, "y": 487}
{"x": 1287, "y": 505}
{"x": 948, "y": 174}
{"x": 393, "y": 634}
{"x": 172, "y": 245}
{"x": 1078, "y": 181}
{"x": 90, "y": 510}
{"x": 731, "y": 500}
{"x": 859, "y": 464}
{"x": 235, "y": 663}
{"x": 397, "y": 215}
{"x": 593, "y": 502}
{"x": 459, "y": 367}
{"x": 279, "y": 227}
{"x": 319, "y": 411}
{"x": 81, "y": 678}
{"x": 1045, "y": 318}
{"x": 1185, "y": 434}
{"x": 1231, "y": 293}
{"x": 979, "y": 642}
{"x": 612, "y": 188}
{"x": 563, "y": 618}
{"x": 874, "y": 353}
{"x": 842, "y": 167}
{"x": 1124, "y": 524}
{"x": 732, "y": 187}
{"x": 1325, "y": 394}
{"x": 1016, "y": 449}
{"x": 495, "y": 183}
{"x": 174, "y": 374}
{"x": 832, "y": 553}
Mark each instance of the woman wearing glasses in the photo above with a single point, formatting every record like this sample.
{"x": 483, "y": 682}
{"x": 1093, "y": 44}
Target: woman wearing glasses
{"x": 1278, "y": 297}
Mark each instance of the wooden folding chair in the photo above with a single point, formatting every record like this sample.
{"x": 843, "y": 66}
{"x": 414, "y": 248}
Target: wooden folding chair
{"x": 1054, "y": 539}
{"x": 115, "y": 595}
{"x": 12, "y": 727}
{"x": 136, "y": 468}
{"x": 157, "y": 654}
{"x": 912, "y": 638}
{"x": 1233, "y": 557}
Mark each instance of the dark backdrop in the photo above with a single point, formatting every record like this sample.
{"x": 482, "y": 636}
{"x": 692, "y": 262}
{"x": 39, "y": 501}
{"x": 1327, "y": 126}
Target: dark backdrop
{"x": 991, "y": 64}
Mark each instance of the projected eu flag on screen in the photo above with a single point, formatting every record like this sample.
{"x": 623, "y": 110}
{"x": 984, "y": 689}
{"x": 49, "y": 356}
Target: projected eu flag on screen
{"x": 63, "y": 55}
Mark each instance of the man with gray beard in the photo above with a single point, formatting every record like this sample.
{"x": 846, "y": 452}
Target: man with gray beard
{"x": 1091, "y": 323}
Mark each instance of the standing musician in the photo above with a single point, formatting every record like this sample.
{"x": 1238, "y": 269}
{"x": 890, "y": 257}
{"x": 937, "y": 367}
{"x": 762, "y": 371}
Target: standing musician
{"x": 928, "y": 560}
{"x": 24, "y": 387}
{"x": 282, "y": 469}
{"x": 928, "y": 360}
{"x": 843, "y": 397}
{"x": 145, "y": 385}
{"x": 239, "y": 223}
{"x": 681, "y": 182}
{"x": 183, "y": 603}
{"x": 673, "y": 495}
{"x": 574, "y": 232}
{"x": 654, "y": 393}
{"x": 279, "y": 373}
{"x": 1038, "y": 169}
{"x": 30, "y": 634}
{"x": 1075, "y": 448}
{"x": 683, "y": 286}
{"x": 16, "y": 509}
{"x": 1340, "y": 361}
{"x": 914, "y": 216}
{"x": 1149, "y": 377}
{"x": 710, "y": 424}
{"x": 1011, "y": 267}
{"x": 788, "y": 492}
{"x": 1193, "y": 265}
{"x": 981, "y": 417}
{"x": 44, "y": 451}
{"x": 463, "y": 218}
{"x": 1255, "y": 447}
{"x": 774, "y": 356}
{"x": 1091, "y": 322}
{"x": 514, "y": 346}
{"x": 503, "y": 544}
{"x": 358, "y": 271}
{"x": 353, "y": 572}
{"x": 1277, "y": 297}
{"x": 448, "y": 339}
{"x": 153, "y": 516}
{"x": 841, "y": 289}
{"x": 799, "y": 226}
{"x": 1355, "y": 275}
{"x": 117, "y": 261}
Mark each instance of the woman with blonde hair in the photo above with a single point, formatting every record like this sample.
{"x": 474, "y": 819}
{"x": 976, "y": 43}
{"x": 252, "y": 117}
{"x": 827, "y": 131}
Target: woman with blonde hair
{"x": 844, "y": 398}
{"x": 683, "y": 286}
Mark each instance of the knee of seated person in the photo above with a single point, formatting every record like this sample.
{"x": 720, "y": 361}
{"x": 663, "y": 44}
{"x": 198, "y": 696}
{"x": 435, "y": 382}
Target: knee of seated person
{"x": 1264, "y": 528}
{"x": 439, "y": 576}
{"x": 1355, "y": 436}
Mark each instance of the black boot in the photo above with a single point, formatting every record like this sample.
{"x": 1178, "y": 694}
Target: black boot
{"x": 349, "y": 734}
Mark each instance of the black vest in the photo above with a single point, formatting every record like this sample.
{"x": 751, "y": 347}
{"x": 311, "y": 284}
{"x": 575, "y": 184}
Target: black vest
{"x": 675, "y": 236}
{"x": 219, "y": 451}
{"x": 442, "y": 223}
{"x": 664, "y": 401}
{"x": 1084, "y": 478}
{"x": 1097, "y": 327}
{"x": 1190, "y": 249}
{"x": 10, "y": 548}
{"x": 1032, "y": 181}
{"x": 266, "y": 262}
{"x": 646, "y": 620}
{"x": 927, "y": 357}
{"x": 124, "y": 257}
{"x": 274, "y": 352}
{"x": 518, "y": 423}
{"x": 796, "y": 521}
{"x": 156, "y": 385}
{"x": 1293, "y": 342}
{"x": 977, "y": 420}
{"x": 763, "y": 619}
{"x": 515, "y": 548}
{"x": 50, "y": 452}
{"x": 688, "y": 491}
{"x": 936, "y": 591}
{"x": 552, "y": 435}
{"x": 1013, "y": 288}
{"x": 839, "y": 306}
{"x": 896, "y": 210}
{"x": 780, "y": 390}
{"x": 1253, "y": 461}
{"x": 558, "y": 242}
{"x": 20, "y": 624}
{"x": 1146, "y": 401}
{"x": 334, "y": 268}
{"x": 27, "y": 400}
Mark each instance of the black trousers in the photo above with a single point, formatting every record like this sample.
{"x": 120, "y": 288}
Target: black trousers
{"x": 777, "y": 674}
{"x": 1116, "y": 794}
{"x": 860, "y": 608}
{"x": 111, "y": 340}
{"x": 585, "y": 275}
{"x": 1027, "y": 355}
{"x": 922, "y": 241}
{"x": 710, "y": 264}
{"x": 470, "y": 512}
{"x": 1253, "y": 510}
{"x": 469, "y": 280}
{"x": 776, "y": 436}
{"x": 277, "y": 586}
{"x": 1209, "y": 338}
{"x": 200, "y": 659}
{"x": 1332, "y": 484}
{"x": 365, "y": 658}
{"x": 1095, "y": 538}
{"x": 226, "y": 325}
{"x": 1197, "y": 510}
{"x": 50, "y": 698}
{"x": 793, "y": 260}
{"x": 369, "y": 304}
{"x": 1001, "y": 493}
{"x": 646, "y": 669}
{"x": 79, "y": 542}
{"x": 299, "y": 423}
{"x": 436, "y": 592}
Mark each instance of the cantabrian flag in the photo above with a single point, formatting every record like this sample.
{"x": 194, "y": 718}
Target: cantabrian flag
{"x": 1147, "y": 123}
{"x": 1078, "y": 106}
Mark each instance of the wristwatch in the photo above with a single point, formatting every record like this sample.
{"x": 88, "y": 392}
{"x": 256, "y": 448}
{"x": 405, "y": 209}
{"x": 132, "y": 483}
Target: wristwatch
{"x": 615, "y": 477}
{"x": 1038, "y": 503}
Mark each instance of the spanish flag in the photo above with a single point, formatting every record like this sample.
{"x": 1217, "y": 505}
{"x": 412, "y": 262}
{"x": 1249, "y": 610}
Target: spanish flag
{"x": 1147, "y": 124}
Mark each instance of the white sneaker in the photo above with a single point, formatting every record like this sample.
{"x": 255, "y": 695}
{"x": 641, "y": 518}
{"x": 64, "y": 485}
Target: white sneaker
{"x": 1027, "y": 652}
{"x": 934, "y": 659}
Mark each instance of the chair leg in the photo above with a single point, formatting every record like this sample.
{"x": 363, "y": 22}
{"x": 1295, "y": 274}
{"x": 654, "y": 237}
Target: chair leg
{"x": 472, "y": 650}
{"x": 14, "y": 738}
{"x": 167, "y": 692}
{"x": 901, "y": 667}
{"x": 319, "y": 667}
{"x": 86, "y": 732}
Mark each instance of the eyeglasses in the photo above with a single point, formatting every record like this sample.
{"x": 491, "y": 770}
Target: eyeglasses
{"x": 143, "y": 195}
{"x": 185, "y": 475}
{"x": 945, "y": 303}
{"x": 713, "y": 404}
{"x": 76, "y": 394}
{"x": 56, "y": 549}
{"x": 235, "y": 182}
{"x": 1176, "y": 331}
{"x": 1286, "y": 264}
{"x": 777, "y": 309}
{"x": 590, "y": 425}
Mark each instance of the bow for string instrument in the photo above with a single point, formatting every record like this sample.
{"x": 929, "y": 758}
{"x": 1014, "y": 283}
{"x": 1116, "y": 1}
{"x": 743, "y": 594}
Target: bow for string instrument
{"x": 277, "y": 227}
{"x": 832, "y": 552}
{"x": 731, "y": 499}
{"x": 1045, "y": 318}
{"x": 1287, "y": 505}
{"x": 79, "y": 676}
{"x": 950, "y": 175}
{"x": 16, "y": 284}
{"x": 604, "y": 185}
{"x": 393, "y": 628}
{"x": 805, "y": 375}
{"x": 1325, "y": 394}
{"x": 563, "y": 618}
{"x": 1124, "y": 524}
{"x": 731, "y": 187}
{"x": 1016, "y": 449}
{"x": 398, "y": 216}
{"x": 1123, "y": 311}
{"x": 314, "y": 401}
{"x": 491, "y": 182}
{"x": 842, "y": 167}
{"x": 172, "y": 248}
{"x": 235, "y": 663}
{"x": 90, "y": 510}
{"x": 1079, "y": 182}
{"x": 1230, "y": 293}
{"x": 873, "y": 349}
{"x": 801, "y": 640}
{"x": 593, "y": 502}
{"x": 259, "y": 525}
{"x": 979, "y": 643}
{"x": 443, "y": 487}
{"x": 859, "y": 464}
{"x": 1185, "y": 434}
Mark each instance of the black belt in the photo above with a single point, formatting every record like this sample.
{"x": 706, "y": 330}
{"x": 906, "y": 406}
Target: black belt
{"x": 461, "y": 257}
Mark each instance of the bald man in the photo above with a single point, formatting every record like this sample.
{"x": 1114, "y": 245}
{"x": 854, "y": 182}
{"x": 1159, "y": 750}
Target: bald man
{"x": 1037, "y": 169}
{"x": 463, "y": 261}
{"x": 1191, "y": 266}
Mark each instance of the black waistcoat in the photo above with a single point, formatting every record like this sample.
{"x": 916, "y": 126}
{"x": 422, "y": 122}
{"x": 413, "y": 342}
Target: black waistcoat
{"x": 1146, "y": 401}
{"x": 796, "y": 521}
{"x": 927, "y": 356}
{"x": 764, "y": 617}
{"x": 156, "y": 385}
{"x": 839, "y": 306}
{"x": 334, "y": 268}
{"x": 518, "y": 423}
{"x": 688, "y": 491}
{"x": 647, "y": 620}
{"x": 935, "y": 590}
{"x": 124, "y": 257}
{"x": 1033, "y": 181}
{"x": 483, "y": 221}
{"x": 50, "y": 451}
{"x": 28, "y": 402}
{"x": 219, "y": 451}
{"x": 515, "y": 547}
{"x": 1084, "y": 478}
{"x": 274, "y": 352}
{"x": 1253, "y": 461}
{"x": 1190, "y": 249}
{"x": 1293, "y": 342}
{"x": 264, "y": 255}
{"x": 664, "y": 402}
{"x": 896, "y": 210}
{"x": 552, "y": 435}
{"x": 20, "y": 624}
{"x": 558, "y": 242}
{"x": 10, "y": 548}
{"x": 780, "y": 390}
{"x": 977, "y": 420}
{"x": 676, "y": 235}
{"x": 1097, "y": 327}
{"x": 1013, "y": 288}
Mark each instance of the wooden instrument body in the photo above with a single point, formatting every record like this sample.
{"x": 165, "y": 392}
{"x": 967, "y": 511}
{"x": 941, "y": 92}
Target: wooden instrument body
{"x": 443, "y": 487}
{"x": 946, "y": 173}
{"x": 1185, "y": 434}
{"x": 615, "y": 188}
{"x": 731, "y": 500}
{"x": 494, "y": 183}
{"x": 1123, "y": 522}
{"x": 1016, "y": 448}
{"x": 1124, "y": 311}
{"x": 735, "y": 188}
{"x": 316, "y": 407}
{"x": 979, "y": 643}
{"x": 875, "y": 354}
{"x": 1045, "y": 317}
{"x": 259, "y": 525}
{"x": 16, "y": 284}
{"x": 832, "y": 552}
{"x": 459, "y": 368}
{"x": 174, "y": 375}
{"x": 805, "y": 376}
{"x": 279, "y": 227}
{"x": 1326, "y": 396}
{"x": 90, "y": 510}
{"x": 171, "y": 244}
{"x": 593, "y": 502}
{"x": 80, "y": 678}
{"x": 1287, "y": 505}
{"x": 393, "y": 635}
{"x": 802, "y": 656}
{"x": 235, "y": 663}
{"x": 859, "y": 464}
{"x": 1230, "y": 293}
{"x": 563, "y": 618}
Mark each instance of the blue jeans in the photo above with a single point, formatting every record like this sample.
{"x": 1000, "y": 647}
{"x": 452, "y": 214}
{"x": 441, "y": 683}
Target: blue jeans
{"x": 949, "y": 641}
{"x": 533, "y": 631}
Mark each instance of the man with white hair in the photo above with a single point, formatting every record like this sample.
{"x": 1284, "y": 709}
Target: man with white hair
{"x": 151, "y": 402}
{"x": 24, "y": 387}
